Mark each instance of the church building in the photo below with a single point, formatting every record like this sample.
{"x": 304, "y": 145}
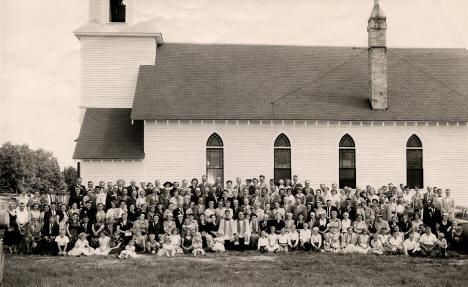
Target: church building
{"x": 352, "y": 116}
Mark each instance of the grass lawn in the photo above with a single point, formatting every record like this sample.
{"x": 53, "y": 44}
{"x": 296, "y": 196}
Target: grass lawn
{"x": 251, "y": 269}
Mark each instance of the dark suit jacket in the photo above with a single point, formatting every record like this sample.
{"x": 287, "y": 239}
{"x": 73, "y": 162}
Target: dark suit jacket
{"x": 327, "y": 212}
{"x": 88, "y": 228}
{"x": 430, "y": 218}
{"x": 46, "y": 231}
{"x": 48, "y": 214}
{"x": 90, "y": 213}
{"x": 130, "y": 189}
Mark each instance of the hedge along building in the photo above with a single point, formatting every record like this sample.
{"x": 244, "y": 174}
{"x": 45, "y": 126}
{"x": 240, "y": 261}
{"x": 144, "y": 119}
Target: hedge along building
{"x": 353, "y": 116}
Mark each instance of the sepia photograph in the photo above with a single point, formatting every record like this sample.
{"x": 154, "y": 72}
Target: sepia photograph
{"x": 233, "y": 143}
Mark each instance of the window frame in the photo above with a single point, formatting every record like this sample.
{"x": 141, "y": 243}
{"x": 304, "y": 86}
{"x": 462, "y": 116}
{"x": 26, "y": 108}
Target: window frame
{"x": 341, "y": 148}
{"x": 412, "y": 171}
{"x": 219, "y": 148}
{"x": 281, "y": 144}
{"x": 125, "y": 16}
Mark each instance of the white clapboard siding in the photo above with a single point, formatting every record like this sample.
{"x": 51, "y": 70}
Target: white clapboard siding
{"x": 143, "y": 10}
{"x": 174, "y": 151}
{"x": 94, "y": 10}
{"x": 109, "y": 69}
{"x": 107, "y": 170}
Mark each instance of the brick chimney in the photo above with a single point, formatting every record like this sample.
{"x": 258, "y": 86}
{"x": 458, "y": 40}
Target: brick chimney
{"x": 377, "y": 57}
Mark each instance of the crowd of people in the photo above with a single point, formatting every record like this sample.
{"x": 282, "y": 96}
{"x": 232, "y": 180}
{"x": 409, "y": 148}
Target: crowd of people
{"x": 199, "y": 217}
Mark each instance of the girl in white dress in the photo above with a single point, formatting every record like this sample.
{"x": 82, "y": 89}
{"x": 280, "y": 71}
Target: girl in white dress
{"x": 129, "y": 250}
{"x": 273, "y": 245}
{"x": 219, "y": 243}
{"x": 198, "y": 245}
{"x": 104, "y": 245}
{"x": 81, "y": 247}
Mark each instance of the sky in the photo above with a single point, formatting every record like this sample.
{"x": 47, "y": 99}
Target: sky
{"x": 39, "y": 55}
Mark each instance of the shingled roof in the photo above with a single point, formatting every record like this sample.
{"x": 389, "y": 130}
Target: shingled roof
{"x": 109, "y": 134}
{"x": 194, "y": 81}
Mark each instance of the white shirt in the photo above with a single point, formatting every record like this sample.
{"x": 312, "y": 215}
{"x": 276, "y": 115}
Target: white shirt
{"x": 22, "y": 216}
{"x": 304, "y": 235}
{"x": 396, "y": 242}
{"x": 262, "y": 242}
{"x": 62, "y": 241}
{"x": 411, "y": 244}
{"x": 293, "y": 236}
{"x": 283, "y": 239}
{"x": 428, "y": 239}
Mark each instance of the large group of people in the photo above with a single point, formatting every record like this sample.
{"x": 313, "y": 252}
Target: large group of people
{"x": 198, "y": 217}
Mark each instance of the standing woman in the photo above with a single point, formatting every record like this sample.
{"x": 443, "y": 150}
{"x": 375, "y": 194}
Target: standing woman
{"x": 12, "y": 238}
{"x": 35, "y": 211}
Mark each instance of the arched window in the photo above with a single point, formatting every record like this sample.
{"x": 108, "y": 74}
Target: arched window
{"x": 214, "y": 158}
{"x": 282, "y": 158}
{"x": 414, "y": 162}
{"x": 347, "y": 169}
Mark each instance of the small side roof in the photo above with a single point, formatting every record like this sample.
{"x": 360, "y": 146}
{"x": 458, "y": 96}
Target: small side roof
{"x": 109, "y": 134}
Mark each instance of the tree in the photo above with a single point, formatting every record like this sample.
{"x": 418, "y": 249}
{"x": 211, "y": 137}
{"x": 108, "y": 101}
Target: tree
{"x": 22, "y": 168}
{"x": 69, "y": 175}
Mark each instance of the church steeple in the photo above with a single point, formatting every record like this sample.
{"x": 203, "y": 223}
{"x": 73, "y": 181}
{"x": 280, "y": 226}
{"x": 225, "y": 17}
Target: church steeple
{"x": 377, "y": 57}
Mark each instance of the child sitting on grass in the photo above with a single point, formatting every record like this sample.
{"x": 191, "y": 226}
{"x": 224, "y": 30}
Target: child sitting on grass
{"x": 81, "y": 246}
{"x": 176, "y": 240}
{"x": 442, "y": 243}
{"x": 262, "y": 244}
{"x": 283, "y": 241}
{"x": 316, "y": 240}
{"x": 129, "y": 250}
{"x": 152, "y": 245}
{"x": 62, "y": 243}
{"x": 104, "y": 245}
{"x": 168, "y": 248}
{"x": 272, "y": 240}
{"x": 198, "y": 245}
{"x": 218, "y": 245}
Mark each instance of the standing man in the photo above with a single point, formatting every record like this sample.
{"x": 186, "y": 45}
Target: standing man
{"x": 242, "y": 232}
{"x": 228, "y": 228}
{"x": 132, "y": 187}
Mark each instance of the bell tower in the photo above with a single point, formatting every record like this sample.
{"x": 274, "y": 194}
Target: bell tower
{"x": 120, "y": 35}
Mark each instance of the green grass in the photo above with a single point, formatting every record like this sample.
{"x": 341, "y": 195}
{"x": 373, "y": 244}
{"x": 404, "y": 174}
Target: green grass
{"x": 251, "y": 269}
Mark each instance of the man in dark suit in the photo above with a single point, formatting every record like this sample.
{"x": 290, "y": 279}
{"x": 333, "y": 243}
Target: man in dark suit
{"x": 204, "y": 183}
{"x": 112, "y": 195}
{"x": 50, "y": 213}
{"x": 212, "y": 197}
{"x": 132, "y": 187}
{"x": 89, "y": 211}
{"x": 329, "y": 208}
{"x": 49, "y": 231}
{"x": 349, "y": 208}
{"x": 79, "y": 185}
{"x": 86, "y": 227}
{"x": 431, "y": 215}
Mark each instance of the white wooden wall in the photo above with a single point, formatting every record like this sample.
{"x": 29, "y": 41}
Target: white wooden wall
{"x": 109, "y": 69}
{"x": 107, "y": 170}
{"x": 175, "y": 151}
